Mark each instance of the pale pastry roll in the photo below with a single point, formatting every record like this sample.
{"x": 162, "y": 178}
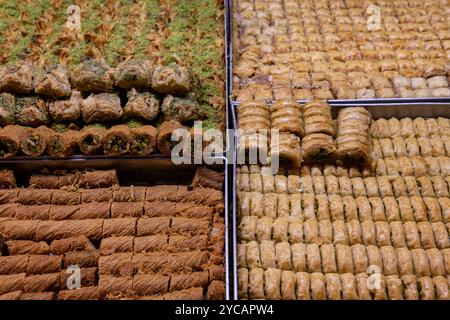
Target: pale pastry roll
{"x": 339, "y": 232}
{"x": 446, "y": 255}
{"x": 383, "y": 128}
{"x": 376, "y": 149}
{"x": 336, "y": 208}
{"x": 377, "y": 209}
{"x": 253, "y": 144}
{"x": 426, "y": 235}
{"x": 364, "y": 209}
{"x": 328, "y": 258}
{"x": 390, "y": 263}
{"x": 244, "y": 182}
{"x": 394, "y": 287}
{"x": 425, "y": 146}
{"x": 371, "y": 187}
{"x": 444, "y": 165}
{"x": 387, "y": 148}
{"x": 305, "y": 170}
{"x": 268, "y": 181}
{"x": 433, "y": 126}
{"x": 263, "y": 229}
{"x": 247, "y": 228}
{"x": 317, "y": 286}
{"x": 306, "y": 183}
{"x": 295, "y": 232}
{"x": 368, "y": 233}
{"x": 394, "y": 127}
{"x": 256, "y": 284}
{"x": 329, "y": 170}
{"x": 410, "y": 290}
{"x": 303, "y": 286}
{"x": 399, "y": 187}
{"x": 256, "y": 182}
{"x": 243, "y": 278}
{"x": 311, "y": 231}
{"x": 345, "y": 186}
{"x": 341, "y": 171}
{"x": 419, "y": 166}
{"x": 379, "y": 291}
{"x": 293, "y": 184}
{"x": 420, "y": 127}
{"x": 405, "y": 261}
{"x": 319, "y": 184}
{"x": 244, "y": 203}
{"x": 392, "y": 167}
{"x": 349, "y": 288}
{"x": 397, "y": 234}
{"x": 441, "y": 288}
{"x": 334, "y": 286}
{"x": 426, "y": 288}
{"x": 407, "y": 127}
{"x": 286, "y": 116}
{"x": 446, "y": 142}
{"x": 272, "y": 284}
{"x": 437, "y": 146}
{"x": 288, "y": 283}
{"x": 444, "y": 126}
{"x": 241, "y": 256}
{"x": 374, "y": 131}
{"x": 384, "y": 187}
{"x": 252, "y": 257}
{"x": 280, "y": 184}
{"x": 374, "y": 259}
{"x": 296, "y": 206}
{"x": 381, "y": 169}
{"x": 444, "y": 202}
{"x": 406, "y": 166}
{"x": 270, "y": 205}
{"x": 354, "y": 232}
{"x": 283, "y": 207}
{"x": 354, "y": 172}
{"x": 323, "y": 210}
{"x": 359, "y": 190}
{"x": 350, "y": 208}
{"x": 359, "y": 256}
{"x": 313, "y": 260}
{"x": 361, "y": 285}
{"x": 412, "y": 146}
{"x": 412, "y": 235}
{"x": 421, "y": 264}
{"x": 318, "y": 147}
{"x": 399, "y": 146}
{"x": 326, "y": 231}
{"x": 309, "y": 206}
{"x": 436, "y": 262}
{"x": 332, "y": 184}
{"x": 268, "y": 256}
{"x": 280, "y": 229}
{"x": 440, "y": 235}
{"x": 440, "y": 186}
{"x": 419, "y": 209}
{"x": 411, "y": 186}
{"x": 283, "y": 253}
{"x": 383, "y": 233}
{"x": 344, "y": 258}
{"x": 256, "y": 204}
{"x": 298, "y": 251}
{"x": 391, "y": 209}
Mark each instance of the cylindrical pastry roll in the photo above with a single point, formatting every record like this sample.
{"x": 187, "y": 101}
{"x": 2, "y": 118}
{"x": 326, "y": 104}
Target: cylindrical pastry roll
{"x": 63, "y": 197}
{"x": 446, "y": 255}
{"x": 377, "y": 209}
{"x": 117, "y": 140}
{"x": 440, "y": 186}
{"x": 441, "y": 288}
{"x": 308, "y": 203}
{"x": 272, "y": 284}
{"x": 295, "y": 232}
{"x": 440, "y": 235}
{"x": 318, "y": 147}
{"x": 143, "y": 140}
{"x": 349, "y": 287}
{"x": 419, "y": 209}
{"x": 90, "y": 140}
{"x": 313, "y": 259}
{"x": 359, "y": 257}
{"x": 243, "y": 283}
{"x": 247, "y": 228}
{"x": 334, "y": 286}
{"x": 412, "y": 235}
{"x": 383, "y": 233}
{"x": 62, "y": 144}
{"x": 426, "y": 235}
{"x": 397, "y": 234}
{"x": 268, "y": 256}
{"x": 317, "y": 118}
{"x": 410, "y": 291}
{"x": 362, "y": 286}
{"x": 399, "y": 146}
{"x": 436, "y": 262}
{"x": 35, "y": 141}
{"x": 426, "y": 186}
{"x": 307, "y": 184}
{"x": 293, "y": 184}
{"x": 283, "y": 207}
{"x": 303, "y": 286}
{"x": 359, "y": 190}
{"x": 319, "y": 185}
{"x": 426, "y": 288}
{"x": 350, "y": 208}
{"x": 164, "y": 142}
{"x": 340, "y": 232}
{"x": 405, "y": 262}
{"x": 311, "y": 231}
{"x": 263, "y": 230}
{"x": 299, "y": 257}
{"x": 269, "y": 203}
{"x": 345, "y": 186}
{"x": 286, "y": 117}
{"x": 287, "y": 150}
{"x": 389, "y": 260}
{"x": 391, "y": 209}
{"x": 332, "y": 185}
{"x": 364, "y": 209}
{"x": 420, "y": 260}
{"x": 317, "y": 286}
{"x": 328, "y": 258}
{"x": 354, "y": 232}
{"x": 326, "y": 231}
{"x": 445, "y": 208}
{"x": 336, "y": 208}
{"x": 387, "y": 148}
{"x": 280, "y": 229}
{"x": 371, "y": 187}
{"x": 384, "y": 187}
{"x": 288, "y": 284}
{"x": 280, "y": 184}
{"x": 405, "y": 208}
{"x": 394, "y": 287}
{"x": 241, "y": 255}
{"x": 344, "y": 258}
{"x": 253, "y": 259}
{"x": 255, "y": 182}
{"x": 256, "y": 284}
{"x": 399, "y": 187}
{"x": 18, "y": 230}
{"x": 7, "y": 179}
{"x": 33, "y": 212}
{"x": 42, "y": 283}
{"x": 283, "y": 253}
{"x": 368, "y": 232}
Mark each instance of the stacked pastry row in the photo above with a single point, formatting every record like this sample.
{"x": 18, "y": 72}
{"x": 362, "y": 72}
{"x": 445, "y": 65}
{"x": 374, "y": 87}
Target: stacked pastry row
{"x": 174, "y": 249}
{"x": 331, "y": 49}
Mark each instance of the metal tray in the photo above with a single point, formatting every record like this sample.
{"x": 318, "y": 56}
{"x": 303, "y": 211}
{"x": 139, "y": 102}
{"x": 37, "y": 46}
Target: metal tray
{"x": 377, "y": 111}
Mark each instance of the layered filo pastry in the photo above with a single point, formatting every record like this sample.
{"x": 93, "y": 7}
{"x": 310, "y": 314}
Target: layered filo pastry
{"x": 286, "y": 149}
{"x": 286, "y": 116}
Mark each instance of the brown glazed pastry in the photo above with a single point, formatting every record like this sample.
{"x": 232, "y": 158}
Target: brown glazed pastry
{"x": 7, "y": 106}
{"x": 52, "y": 81}
{"x": 133, "y": 73}
{"x": 172, "y": 79}
{"x": 17, "y": 78}
{"x": 317, "y": 118}
{"x": 31, "y": 111}
{"x": 253, "y": 116}
{"x": 90, "y": 140}
{"x": 98, "y": 179}
{"x": 7, "y": 179}
{"x": 208, "y": 178}
{"x": 318, "y": 147}
{"x": 92, "y": 76}
{"x": 10, "y": 139}
{"x": 85, "y": 293}
{"x": 63, "y": 144}
{"x": 35, "y": 141}
{"x": 143, "y": 140}
{"x": 253, "y": 144}
{"x": 66, "y": 110}
{"x": 286, "y": 116}
{"x": 164, "y": 142}
{"x": 141, "y": 105}
{"x": 101, "y": 107}
{"x": 117, "y": 140}
{"x": 287, "y": 150}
